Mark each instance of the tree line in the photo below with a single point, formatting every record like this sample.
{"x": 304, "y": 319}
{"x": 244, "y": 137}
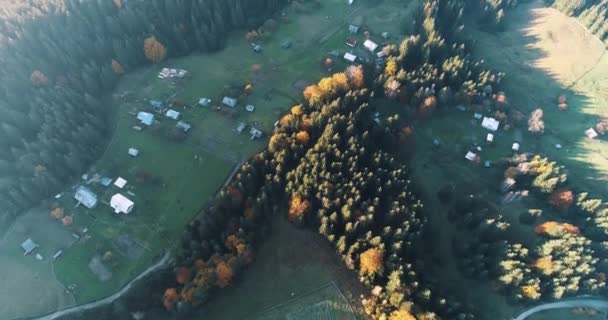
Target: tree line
{"x": 59, "y": 58}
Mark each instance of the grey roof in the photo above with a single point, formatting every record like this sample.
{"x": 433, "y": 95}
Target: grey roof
{"x": 85, "y": 196}
{"x": 29, "y": 245}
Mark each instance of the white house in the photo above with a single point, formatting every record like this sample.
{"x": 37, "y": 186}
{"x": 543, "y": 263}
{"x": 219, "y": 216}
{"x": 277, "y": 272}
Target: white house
{"x": 133, "y": 152}
{"x": 515, "y": 147}
{"x": 470, "y": 156}
{"x": 350, "y": 57}
{"x": 145, "y": 118}
{"x": 172, "y": 114}
{"x": 490, "y": 137}
{"x": 85, "y": 196}
{"x": 250, "y": 108}
{"x": 230, "y": 102}
{"x": 370, "y": 45}
{"x": 120, "y": 183}
{"x": 121, "y": 204}
{"x": 490, "y": 123}
{"x": 590, "y": 133}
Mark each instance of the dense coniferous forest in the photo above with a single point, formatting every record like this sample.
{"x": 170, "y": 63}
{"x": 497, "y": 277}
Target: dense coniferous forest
{"x": 593, "y": 14}
{"x": 53, "y": 121}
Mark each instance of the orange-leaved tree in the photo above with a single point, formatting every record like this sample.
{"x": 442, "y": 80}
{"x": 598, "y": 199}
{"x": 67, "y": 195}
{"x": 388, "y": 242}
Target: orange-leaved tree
{"x": 67, "y": 220}
{"x": 298, "y": 208}
{"x": 224, "y": 274}
{"x": 313, "y": 94}
{"x": 562, "y": 199}
{"x": 356, "y": 77}
{"x": 556, "y": 229}
{"x": 57, "y": 213}
{"x": 170, "y": 298}
{"x": 297, "y": 110}
{"x": 303, "y": 137}
{"x": 154, "y": 50}
{"x": 371, "y": 261}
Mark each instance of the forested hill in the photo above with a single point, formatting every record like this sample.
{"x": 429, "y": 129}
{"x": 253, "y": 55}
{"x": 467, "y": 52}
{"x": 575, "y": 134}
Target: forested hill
{"x": 593, "y": 14}
{"x": 58, "y": 58}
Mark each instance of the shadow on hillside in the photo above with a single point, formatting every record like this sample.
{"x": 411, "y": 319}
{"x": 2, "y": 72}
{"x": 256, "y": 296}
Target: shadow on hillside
{"x": 529, "y": 85}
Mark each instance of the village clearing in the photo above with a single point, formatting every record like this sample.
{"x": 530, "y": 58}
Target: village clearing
{"x": 170, "y": 181}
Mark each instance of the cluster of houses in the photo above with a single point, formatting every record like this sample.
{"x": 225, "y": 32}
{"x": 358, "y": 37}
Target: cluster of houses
{"x": 170, "y": 73}
{"x": 118, "y": 202}
{"x": 255, "y": 131}
{"x": 370, "y": 48}
{"x": 491, "y": 125}
{"x": 148, "y": 119}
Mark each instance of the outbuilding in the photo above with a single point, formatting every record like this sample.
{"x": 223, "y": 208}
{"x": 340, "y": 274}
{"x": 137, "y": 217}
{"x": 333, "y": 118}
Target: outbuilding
{"x": 204, "y": 102}
{"x": 120, "y": 183}
{"x": 350, "y": 57}
{"x": 133, "y": 152}
{"x": 121, "y": 204}
{"x": 229, "y": 102}
{"x": 172, "y": 114}
{"x": 255, "y": 133}
{"x": 184, "y": 126}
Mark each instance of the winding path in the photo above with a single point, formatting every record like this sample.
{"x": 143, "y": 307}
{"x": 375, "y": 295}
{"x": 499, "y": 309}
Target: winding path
{"x": 163, "y": 262}
{"x": 593, "y": 303}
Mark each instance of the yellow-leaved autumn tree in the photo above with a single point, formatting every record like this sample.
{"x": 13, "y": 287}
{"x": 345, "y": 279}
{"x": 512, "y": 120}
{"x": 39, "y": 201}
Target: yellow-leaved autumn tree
{"x": 154, "y": 50}
{"x": 371, "y": 261}
{"x": 391, "y": 67}
{"x": 313, "y": 94}
{"x": 341, "y": 81}
{"x": 296, "y": 110}
{"x": 401, "y": 314}
{"x": 328, "y": 87}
